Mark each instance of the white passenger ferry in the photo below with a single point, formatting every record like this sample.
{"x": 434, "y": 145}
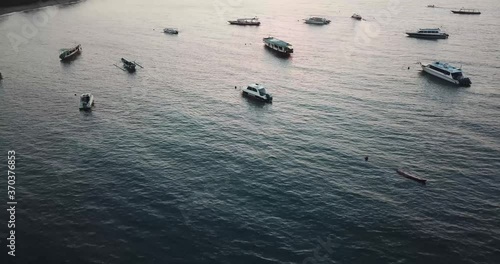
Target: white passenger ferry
{"x": 446, "y": 72}
{"x": 428, "y": 33}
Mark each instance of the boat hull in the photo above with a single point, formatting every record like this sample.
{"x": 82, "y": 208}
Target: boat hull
{"x": 317, "y": 22}
{"x": 72, "y": 55}
{"x": 244, "y": 23}
{"x": 277, "y": 51}
{"x": 427, "y": 36}
{"x": 257, "y": 98}
{"x": 465, "y": 13}
{"x": 411, "y": 177}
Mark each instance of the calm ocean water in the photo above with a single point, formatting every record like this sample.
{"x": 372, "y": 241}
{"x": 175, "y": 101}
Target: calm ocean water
{"x": 174, "y": 166}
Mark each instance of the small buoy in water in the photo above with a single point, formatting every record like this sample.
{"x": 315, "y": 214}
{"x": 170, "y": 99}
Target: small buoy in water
{"x": 235, "y": 87}
{"x": 366, "y": 158}
{"x": 75, "y": 94}
{"x": 408, "y": 67}
{"x": 1, "y": 76}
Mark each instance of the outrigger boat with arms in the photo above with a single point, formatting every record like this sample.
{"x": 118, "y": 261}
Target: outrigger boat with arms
{"x": 67, "y": 54}
{"x": 128, "y": 65}
{"x": 258, "y": 92}
{"x": 411, "y": 177}
{"x": 86, "y": 101}
{"x": 446, "y": 72}
{"x": 278, "y": 45}
{"x": 245, "y": 21}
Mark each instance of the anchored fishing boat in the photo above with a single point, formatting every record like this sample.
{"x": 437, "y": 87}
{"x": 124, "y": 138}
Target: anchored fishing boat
{"x": 356, "y": 16}
{"x": 258, "y": 92}
{"x": 67, "y": 54}
{"x": 278, "y": 45}
{"x": 245, "y": 21}
{"x": 428, "y": 33}
{"x": 411, "y": 177}
{"x": 171, "y": 31}
{"x": 128, "y": 65}
{"x": 465, "y": 11}
{"x": 446, "y": 72}
{"x": 315, "y": 20}
{"x": 86, "y": 101}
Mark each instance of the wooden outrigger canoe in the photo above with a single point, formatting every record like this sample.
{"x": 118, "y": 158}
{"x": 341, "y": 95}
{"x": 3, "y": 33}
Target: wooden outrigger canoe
{"x": 128, "y": 65}
{"x": 411, "y": 177}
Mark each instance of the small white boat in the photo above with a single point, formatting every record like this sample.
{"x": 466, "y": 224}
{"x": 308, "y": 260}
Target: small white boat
{"x": 314, "y": 20}
{"x": 67, "y": 54}
{"x": 258, "y": 92}
{"x": 446, "y": 72}
{"x": 172, "y": 31}
{"x": 428, "y": 33}
{"x": 356, "y": 16}
{"x": 86, "y": 101}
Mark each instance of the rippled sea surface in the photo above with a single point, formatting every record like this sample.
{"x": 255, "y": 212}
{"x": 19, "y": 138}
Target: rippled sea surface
{"x": 174, "y": 166}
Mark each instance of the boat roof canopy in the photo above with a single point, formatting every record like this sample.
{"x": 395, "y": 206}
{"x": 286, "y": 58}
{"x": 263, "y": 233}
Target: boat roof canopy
{"x": 257, "y": 86}
{"x": 446, "y": 66}
{"x": 251, "y": 18}
{"x": 436, "y": 29}
{"x": 278, "y": 42}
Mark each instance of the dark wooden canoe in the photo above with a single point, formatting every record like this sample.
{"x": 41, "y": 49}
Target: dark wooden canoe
{"x": 411, "y": 177}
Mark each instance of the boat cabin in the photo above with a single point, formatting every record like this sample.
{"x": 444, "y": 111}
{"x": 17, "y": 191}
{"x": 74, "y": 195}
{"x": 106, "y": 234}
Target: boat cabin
{"x": 447, "y": 69}
{"x": 85, "y": 98}
{"x": 429, "y": 31}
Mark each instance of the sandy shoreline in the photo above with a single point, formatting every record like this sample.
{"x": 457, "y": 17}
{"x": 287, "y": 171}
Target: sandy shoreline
{"x": 34, "y": 6}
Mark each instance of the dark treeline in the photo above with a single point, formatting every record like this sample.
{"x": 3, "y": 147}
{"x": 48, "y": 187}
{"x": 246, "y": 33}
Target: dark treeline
{"x": 5, "y": 3}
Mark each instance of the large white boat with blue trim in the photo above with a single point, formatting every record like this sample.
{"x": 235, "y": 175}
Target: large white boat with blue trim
{"x": 428, "y": 33}
{"x": 446, "y": 72}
